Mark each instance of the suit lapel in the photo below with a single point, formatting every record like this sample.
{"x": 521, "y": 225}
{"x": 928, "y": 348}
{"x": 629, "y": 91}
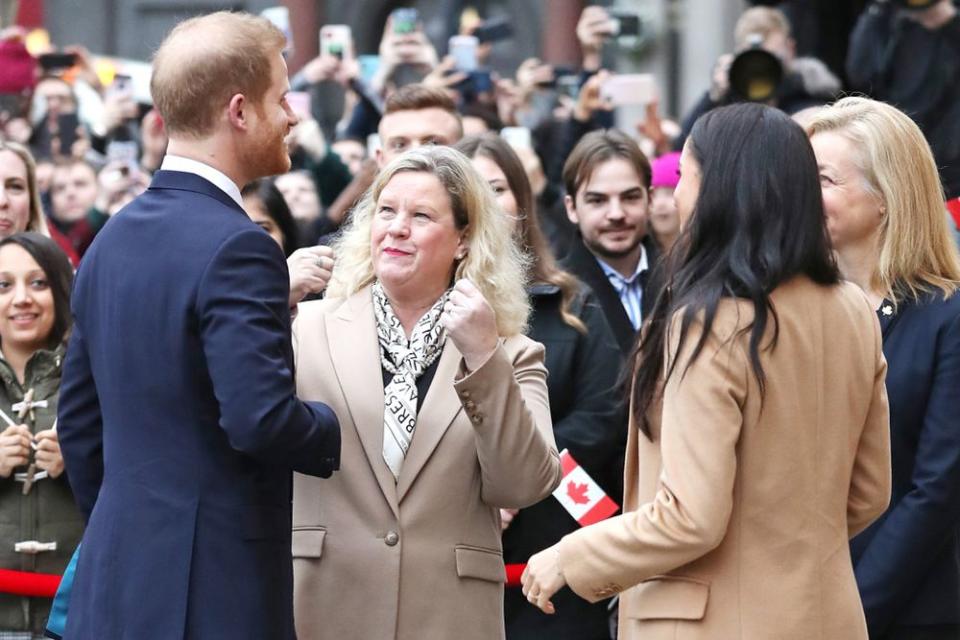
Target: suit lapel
{"x": 585, "y": 266}
{"x": 436, "y": 415}
{"x": 352, "y": 338}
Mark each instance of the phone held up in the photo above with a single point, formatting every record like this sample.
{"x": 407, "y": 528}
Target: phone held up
{"x": 336, "y": 40}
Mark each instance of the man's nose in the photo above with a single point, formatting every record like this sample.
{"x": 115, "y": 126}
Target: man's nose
{"x": 615, "y": 209}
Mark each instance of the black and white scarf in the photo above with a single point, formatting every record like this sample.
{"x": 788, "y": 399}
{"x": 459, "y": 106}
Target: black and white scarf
{"x": 406, "y": 360}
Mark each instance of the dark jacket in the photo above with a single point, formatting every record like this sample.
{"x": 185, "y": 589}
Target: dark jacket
{"x": 179, "y": 447}
{"x": 897, "y": 60}
{"x": 48, "y": 512}
{"x": 589, "y": 421}
{"x": 583, "y": 264}
{"x": 908, "y": 562}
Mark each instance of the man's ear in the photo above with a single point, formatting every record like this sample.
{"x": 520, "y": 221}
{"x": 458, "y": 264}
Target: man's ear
{"x": 237, "y": 111}
{"x": 571, "y": 210}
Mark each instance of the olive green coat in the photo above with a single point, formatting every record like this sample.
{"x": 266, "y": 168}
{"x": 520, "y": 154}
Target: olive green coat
{"x": 48, "y": 512}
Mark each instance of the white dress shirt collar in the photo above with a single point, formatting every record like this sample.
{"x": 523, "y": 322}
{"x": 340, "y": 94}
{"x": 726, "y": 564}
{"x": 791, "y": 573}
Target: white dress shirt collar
{"x": 205, "y": 171}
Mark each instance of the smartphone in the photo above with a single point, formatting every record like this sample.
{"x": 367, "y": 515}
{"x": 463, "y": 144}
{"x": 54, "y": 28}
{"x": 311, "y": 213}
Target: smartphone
{"x": 630, "y": 88}
{"x": 60, "y": 60}
{"x": 569, "y": 85}
{"x": 624, "y": 24}
{"x": 517, "y": 137}
{"x": 124, "y": 152}
{"x": 67, "y": 125}
{"x": 464, "y": 52}
{"x": 122, "y": 84}
{"x": 404, "y": 20}
{"x": 494, "y": 30}
{"x": 369, "y": 64}
{"x": 336, "y": 40}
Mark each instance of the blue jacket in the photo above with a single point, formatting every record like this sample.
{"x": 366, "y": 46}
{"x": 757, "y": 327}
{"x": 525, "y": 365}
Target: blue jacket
{"x": 908, "y": 562}
{"x": 179, "y": 425}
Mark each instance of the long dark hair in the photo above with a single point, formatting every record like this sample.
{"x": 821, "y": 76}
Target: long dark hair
{"x": 59, "y": 272}
{"x": 276, "y": 207}
{"x": 758, "y": 221}
{"x": 543, "y": 268}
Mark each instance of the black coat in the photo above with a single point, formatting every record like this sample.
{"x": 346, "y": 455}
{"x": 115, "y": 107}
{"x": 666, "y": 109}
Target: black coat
{"x": 897, "y": 60}
{"x": 908, "y": 562}
{"x": 589, "y": 421}
{"x": 581, "y": 263}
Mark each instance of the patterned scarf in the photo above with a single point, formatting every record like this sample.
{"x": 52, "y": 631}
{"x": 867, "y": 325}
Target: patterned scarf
{"x": 406, "y": 361}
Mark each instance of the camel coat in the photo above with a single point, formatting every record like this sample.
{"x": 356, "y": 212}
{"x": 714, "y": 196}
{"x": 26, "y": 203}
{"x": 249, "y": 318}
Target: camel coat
{"x": 736, "y": 520}
{"x": 420, "y": 557}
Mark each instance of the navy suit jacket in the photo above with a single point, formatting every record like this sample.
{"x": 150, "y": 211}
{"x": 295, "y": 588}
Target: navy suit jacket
{"x": 908, "y": 562}
{"x": 179, "y": 424}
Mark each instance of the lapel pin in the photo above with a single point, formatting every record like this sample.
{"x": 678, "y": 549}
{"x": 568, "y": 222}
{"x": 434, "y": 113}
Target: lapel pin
{"x": 887, "y": 310}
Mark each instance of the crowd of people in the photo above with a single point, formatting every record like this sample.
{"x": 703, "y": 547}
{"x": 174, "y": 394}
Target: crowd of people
{"x": 414, "y": 288}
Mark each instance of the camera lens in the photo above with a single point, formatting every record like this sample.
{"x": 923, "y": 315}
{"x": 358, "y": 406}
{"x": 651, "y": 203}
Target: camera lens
{"x": 755, "y": 75}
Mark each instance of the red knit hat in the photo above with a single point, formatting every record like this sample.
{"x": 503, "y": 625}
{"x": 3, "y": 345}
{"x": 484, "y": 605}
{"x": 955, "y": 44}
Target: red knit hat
{"x": 17, "y": 67}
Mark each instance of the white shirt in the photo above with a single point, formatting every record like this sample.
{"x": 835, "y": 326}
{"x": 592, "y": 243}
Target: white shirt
{"x": 205, "y": 171}
{"x": 630, "y": 290}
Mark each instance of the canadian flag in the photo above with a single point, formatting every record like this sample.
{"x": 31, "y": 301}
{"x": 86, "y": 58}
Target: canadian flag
{"x": 580, "y": 495}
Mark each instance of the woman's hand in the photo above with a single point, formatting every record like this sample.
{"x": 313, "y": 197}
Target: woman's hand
{"x": 14, "y": 449}
{"x": 470, "y": 322}
{"x": 542, "y": 578}
{"x": 310, "y": 269}
{"x": 506, "y": 517}
{"x": 48, "y": 456}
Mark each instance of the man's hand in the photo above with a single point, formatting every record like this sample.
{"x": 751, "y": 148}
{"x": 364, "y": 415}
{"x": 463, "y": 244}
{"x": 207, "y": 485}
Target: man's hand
{"x": 589, "y": 101}
{"x": 593, "y": 29}
{"x": 310, "y": 269}
{"x": 935, "y": 16}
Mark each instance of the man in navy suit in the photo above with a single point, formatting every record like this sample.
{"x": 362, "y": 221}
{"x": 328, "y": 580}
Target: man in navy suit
{"x": 178, "y": 420}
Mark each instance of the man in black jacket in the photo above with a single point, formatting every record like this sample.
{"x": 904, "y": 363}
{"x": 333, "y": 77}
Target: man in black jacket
{"x": 911, "y": 59}
{"x": 607, "y": 179}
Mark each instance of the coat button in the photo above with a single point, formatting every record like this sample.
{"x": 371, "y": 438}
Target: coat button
{"x": 470, "y": 405}
{"x": 392, "y": 538}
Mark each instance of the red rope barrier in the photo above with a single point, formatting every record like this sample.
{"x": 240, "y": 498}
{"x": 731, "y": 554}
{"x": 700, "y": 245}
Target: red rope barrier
{"x": 26, "y": 583}
{"x": 514, "y": 571}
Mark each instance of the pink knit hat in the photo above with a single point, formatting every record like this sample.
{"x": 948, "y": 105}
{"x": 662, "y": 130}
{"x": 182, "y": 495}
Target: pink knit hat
{"x": 665, "y": 170}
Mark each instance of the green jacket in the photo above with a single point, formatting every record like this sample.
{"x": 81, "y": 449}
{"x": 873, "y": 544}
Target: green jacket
{"x": 48, "y": 512}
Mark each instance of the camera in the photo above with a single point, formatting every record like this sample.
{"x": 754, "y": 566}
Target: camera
{"x": 755, "y": 74}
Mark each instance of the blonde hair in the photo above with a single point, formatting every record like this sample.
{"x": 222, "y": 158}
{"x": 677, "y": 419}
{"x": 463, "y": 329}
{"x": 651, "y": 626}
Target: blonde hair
{"x": 493, "y": 262}
{"x": 36, "y": 221}
{"x": 205, "y": 61}
{"x": 917, "y": 251}
{"x": 762, "y": 21}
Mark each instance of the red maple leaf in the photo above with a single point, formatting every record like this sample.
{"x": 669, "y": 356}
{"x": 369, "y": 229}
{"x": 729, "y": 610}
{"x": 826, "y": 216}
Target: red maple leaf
{"x": 578, "y": 492}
